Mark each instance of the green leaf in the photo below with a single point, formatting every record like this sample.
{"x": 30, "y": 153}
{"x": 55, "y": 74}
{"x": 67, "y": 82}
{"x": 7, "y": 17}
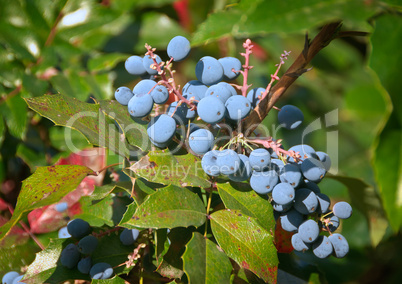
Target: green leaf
{"x": 388, "y": 147}
{"x": 46, "y": 186}
{"x": 17, "y": 250}
{"x": 246, "y": 242}
{"x": 84, "y": 117}
{"x": 104, "y": 62}
{"x": 14, "y": 112}
{"x": 240, "y": 196}
{"x": 172, "y": 264}
{"x": 169, "y": 207}
{"x": 254, "y": 17}
{"x": 99, "y": 213}
{"x": 47, "y": 269}
{"x": 113, "y": 280}
{"x": 135, "y": 131}
{"x": 164, "y": 167}
{"x": 204, "y": 262}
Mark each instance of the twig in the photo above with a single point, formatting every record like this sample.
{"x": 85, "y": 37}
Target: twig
{"x": 323, "y": 38}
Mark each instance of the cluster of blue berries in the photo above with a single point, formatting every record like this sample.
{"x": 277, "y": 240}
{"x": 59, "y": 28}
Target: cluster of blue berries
{"x": 289, "y": 177}
{"x": 79, "y": 255}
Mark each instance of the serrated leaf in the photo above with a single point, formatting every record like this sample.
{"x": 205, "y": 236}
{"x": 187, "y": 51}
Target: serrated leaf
{"x": 135, "y": 131}
{"x": 84, "y": 117}
{"x": 47, "y": 269}
{"x": 166, "y": 168}
{"x": 252, "y": 17}
{"x": 97, "y": 214}
{"x": 246, "y": 242}
{"x": 204, "y": 263}
{"x": 46, "y": 186}
{"x": 240, "y": 196}
{"x": 169, "y": 207}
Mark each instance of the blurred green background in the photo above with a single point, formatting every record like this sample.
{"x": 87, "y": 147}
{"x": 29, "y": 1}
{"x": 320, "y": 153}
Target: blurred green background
{"x": 78, "y": 48}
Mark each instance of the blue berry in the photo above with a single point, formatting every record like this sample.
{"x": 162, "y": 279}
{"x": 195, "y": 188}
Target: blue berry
{"x": 147, "y": 62}
{"x": 324, "y": 159}
{"x": 312, "y": 169}
{"x": 178, "y": 48}
{"x": 263, "y": 182}
{"x": 70, "y": 256}
{"x": 290, "y": 117}
{"x": 84, "y": 265}
{"x": 201, "y": 141}
{"x": 228, "y": 162}
{"x": 253, "y": 96}
{"x": 340, "y": 245}
{"x": 194, "y": 87}
{"x": 231, "y": 89}
{"x": 220, "y": 91}
{"x": 281, "y": 208}
{"x": 161, "y": 129}
{"x": 260, "y": 159}
{"x": 244, "y": 172}
{"x": 63, "y": 233}
{"x": 101, "y": 270}
{"x": 306, "y": 201}
{"x": 178, "y": 112}
{"x": 134, "y": 65}
{"x": 291, "y": 220}
{"x": 128, "y": 237}
{"x": 160, "y": 94}
{"x": 283, "y": 193}
{"x": 144, "y": 86}
{"x": 209, "y": 163}
{"x": 291, "y": 174}
{"x": 333, "y": 223}
{"x": 61, "y": 207}
{"x": 123, "y": 95}
{"x": 9, "y": 277}
{"x": 238, "y": 107}
{"x": 309, "y": 231}
{"x": 342, "y": 210}
{"x": 322, "y": 247}
{"x": 229, "y": 63}
{"x": 208, "y": 70}
{"x": 88, "y": 244}
{"x": 298, "y": 244}
{"x": 305, "y": 151}
{"x": 140, "y": 105}
{"x": 211, "y": 109}
{"x": 324, "y": 202}
{"x": 78, "y": 228}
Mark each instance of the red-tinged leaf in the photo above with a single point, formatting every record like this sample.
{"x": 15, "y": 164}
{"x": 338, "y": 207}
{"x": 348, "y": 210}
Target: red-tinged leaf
{"x": 283, "y": 239}
{"x": 46, "y": 186}
{"x": 48, "y": 219}
{"x": 246, "y": 242}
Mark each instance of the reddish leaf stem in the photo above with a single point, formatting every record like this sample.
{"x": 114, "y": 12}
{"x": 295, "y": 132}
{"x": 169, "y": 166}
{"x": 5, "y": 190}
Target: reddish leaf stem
{"x": 26, "y": 229}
